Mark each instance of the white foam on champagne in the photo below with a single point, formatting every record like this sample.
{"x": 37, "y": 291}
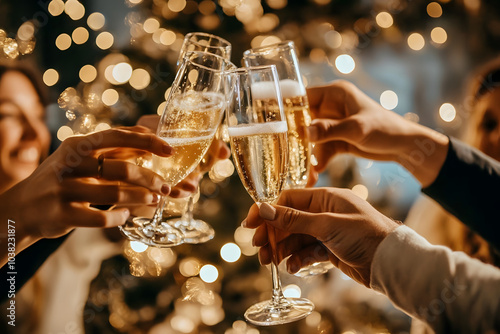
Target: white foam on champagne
{"x": 258, "y": 129}
{"x": 266, "y": 90}
{"x": 176, "y": 141}
{"x": 291, "y": 88}
{"x": 199, "y": 101}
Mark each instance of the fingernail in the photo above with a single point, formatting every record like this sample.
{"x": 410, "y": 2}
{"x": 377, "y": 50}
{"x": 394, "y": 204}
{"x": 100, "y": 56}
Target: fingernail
{"x": 167, "y": 149}
{"x": 267, "y": 211}
{"x": 126, "y": 213}
{"x": 156, "y": 198}
{"x": 165, "y": 189}
{"x": 312, "y": 132}
{"x": 244, "y": 223}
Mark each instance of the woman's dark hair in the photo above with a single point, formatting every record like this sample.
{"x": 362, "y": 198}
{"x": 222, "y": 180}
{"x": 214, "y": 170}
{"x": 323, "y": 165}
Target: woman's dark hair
{"x": 486, "y": 79}
{"x": 29, "y": 72}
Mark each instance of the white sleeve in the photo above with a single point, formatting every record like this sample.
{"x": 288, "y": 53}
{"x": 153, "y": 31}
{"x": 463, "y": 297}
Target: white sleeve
{"x": 448, "y": 290}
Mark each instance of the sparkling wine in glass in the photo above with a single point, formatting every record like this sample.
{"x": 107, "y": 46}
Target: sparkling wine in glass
{"x": 196, "y": 231}
{"x": 257, "y": 131}
{"x": 192, "y": 115}
{"x": 284, "y": 56}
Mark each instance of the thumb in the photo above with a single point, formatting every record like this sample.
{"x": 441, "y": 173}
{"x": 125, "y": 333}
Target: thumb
{"x": 291, "y": 220}
{"x": 322, "y": 130}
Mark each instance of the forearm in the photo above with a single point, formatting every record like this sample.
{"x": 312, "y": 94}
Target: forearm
{"x": 423, "y": 152}
{"x": 14, "y": 236}
{"x": 448, "y": 290}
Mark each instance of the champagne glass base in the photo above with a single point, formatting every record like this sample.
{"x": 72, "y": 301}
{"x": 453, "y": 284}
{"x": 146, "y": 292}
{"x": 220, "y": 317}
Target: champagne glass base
{"x": 267, "y": 313}
{"x": 194, "y": 231}
{"x": 140, "y": 229}
{"x": 314, "y": 269}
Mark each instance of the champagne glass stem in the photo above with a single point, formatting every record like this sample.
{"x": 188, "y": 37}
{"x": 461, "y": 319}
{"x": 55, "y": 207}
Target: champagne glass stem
{"x": 157, "y": 217}
{"x": 187, "y": 215}
{"x": 277, "y": 297}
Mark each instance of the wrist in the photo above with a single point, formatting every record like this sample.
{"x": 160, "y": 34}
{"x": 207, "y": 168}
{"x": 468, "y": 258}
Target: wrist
{"x": 424, "y": 153}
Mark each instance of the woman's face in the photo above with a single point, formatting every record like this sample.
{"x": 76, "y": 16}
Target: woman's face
{"x": 24, "y": 138}
{"x": 488, "y": 123}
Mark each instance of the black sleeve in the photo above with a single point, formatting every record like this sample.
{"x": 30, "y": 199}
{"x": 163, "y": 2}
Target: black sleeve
{"x": 26, "y": 264}
{"x": 468, "y": 186}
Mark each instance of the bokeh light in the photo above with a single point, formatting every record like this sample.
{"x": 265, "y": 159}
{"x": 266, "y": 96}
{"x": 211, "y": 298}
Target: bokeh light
{"x": 151, "y": 25}
{"x": 110, "y": 97}
{"x": 434, "y": 10}
{"x": 384, "y": 20}
{"x": 56, "y": 7}
{"x": 63, "y": 42}
{"x": 189, "y": 267}
{"x": 50, "y": 77}
{"x": 104, "y": 40}
{"x": 64, "y": 132}
{"x": 447, "y": 112}
{"x": 176, "y": 5}
{"x": 26, "y": 31}
{"x": 416, "y": 41}
{"x": 208, "y": 273}
{"x": 96, "y": 21}
{"x": 88, "y": 73}
{"x": 122, "y": 72}
{"x": 230, "y": 252}
{"x": 138, "y": 247}
{"x": 345, "y": 64}
{"x": 292, "y": 291}
{"x": 161, "y": 108}
{"x": 361, "y": 191}
{"x": 389, "y": 99}
{"x": 140, "y": 79}
{"x": 439, "y": 35}
{"x": 74, "y": 9}
{"x": 80, "y": 35}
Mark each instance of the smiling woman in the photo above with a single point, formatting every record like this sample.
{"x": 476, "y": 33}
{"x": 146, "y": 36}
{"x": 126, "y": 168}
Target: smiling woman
{"x": 24, "y": 138}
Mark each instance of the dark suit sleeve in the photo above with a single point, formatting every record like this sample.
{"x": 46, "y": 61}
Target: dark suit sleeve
{"x": 27, "y": 263}
{"x": 468, "y": 186}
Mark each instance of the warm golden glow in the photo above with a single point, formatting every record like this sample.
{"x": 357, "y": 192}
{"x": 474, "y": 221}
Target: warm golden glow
{"x": 63, "y": 42}
{"x": 161, "y": 108}
{"x": 104, "y": 40}
{"x": 151, "y": 25}
{"x": 268, "y": 22}
{"x": 74, "y": 9}
{"x": 56, "y": 7}
{"x": 96, "y": 21}
{"x": 416, "y": 41}
{"x": 140, "y": 79}
{"x": 333, "y": 39}
{"x": 64, "y": 132}
{"x": 176, "y": 5}
{"x": 317, "y": 55}
{"x": 110, "y": 97}
{"x": 345, "y": 64}
{"x": 360, "y": 191}
{"x": 269, "y": 40}
{"x": 384, "y": 20}
{"x": 472, "y": 5}
{"x": 389, "y": 99}
{"x": 206, "y": 7}
{"x": 50, "y": 77}
{"x": 439, "y": 35}
{"x": 88, "y": 73}
{"x": 80, "y": 35}
{"x": 434, "y": 10}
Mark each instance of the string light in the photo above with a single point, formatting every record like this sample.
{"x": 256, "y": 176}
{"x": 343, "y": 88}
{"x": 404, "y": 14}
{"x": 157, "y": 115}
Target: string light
{"x": 74, "y": 9}
{"x": 151, "y": 25}
{"x": 56, "y": 7}
{"x": 110, "y": 97}
{"x": 139, "y": 79}
{"x": 122, "y": 72}
{"x": 88, "y": 73}
{"x": 384, "y": 20}
{"x": 434, "y": 10}
{"x": 208, "y": 273}
{"x": 64, "y": 132}
{"x": 176, "y": 5}
{"x": 230, "y": 252}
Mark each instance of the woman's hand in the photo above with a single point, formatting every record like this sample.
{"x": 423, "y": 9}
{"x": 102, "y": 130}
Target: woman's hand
{"x": 348, "y": 121}
{"x": 58, "y": 196}
{"x": 321, "y": 224}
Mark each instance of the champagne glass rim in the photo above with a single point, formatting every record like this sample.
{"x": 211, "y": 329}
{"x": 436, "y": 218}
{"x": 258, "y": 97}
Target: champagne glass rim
{"x": 223, "y": 40}
{"x": 270, "y": 47}
{"x": 208, "y": 54}
{"x": 242, "y": 70}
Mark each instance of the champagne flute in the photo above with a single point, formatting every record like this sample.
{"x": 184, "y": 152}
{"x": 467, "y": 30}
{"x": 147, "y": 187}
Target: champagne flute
{"x": 258, "y": 135}
{"x": 284, "y": 56}
{"x": 192, "y": 115}
{"x": 196, "y": 231}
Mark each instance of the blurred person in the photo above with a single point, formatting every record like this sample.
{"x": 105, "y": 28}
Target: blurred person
{"x": 482, "y": 132}
{"x": 447, "y": 290}
{"x": 46, "y": 197}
